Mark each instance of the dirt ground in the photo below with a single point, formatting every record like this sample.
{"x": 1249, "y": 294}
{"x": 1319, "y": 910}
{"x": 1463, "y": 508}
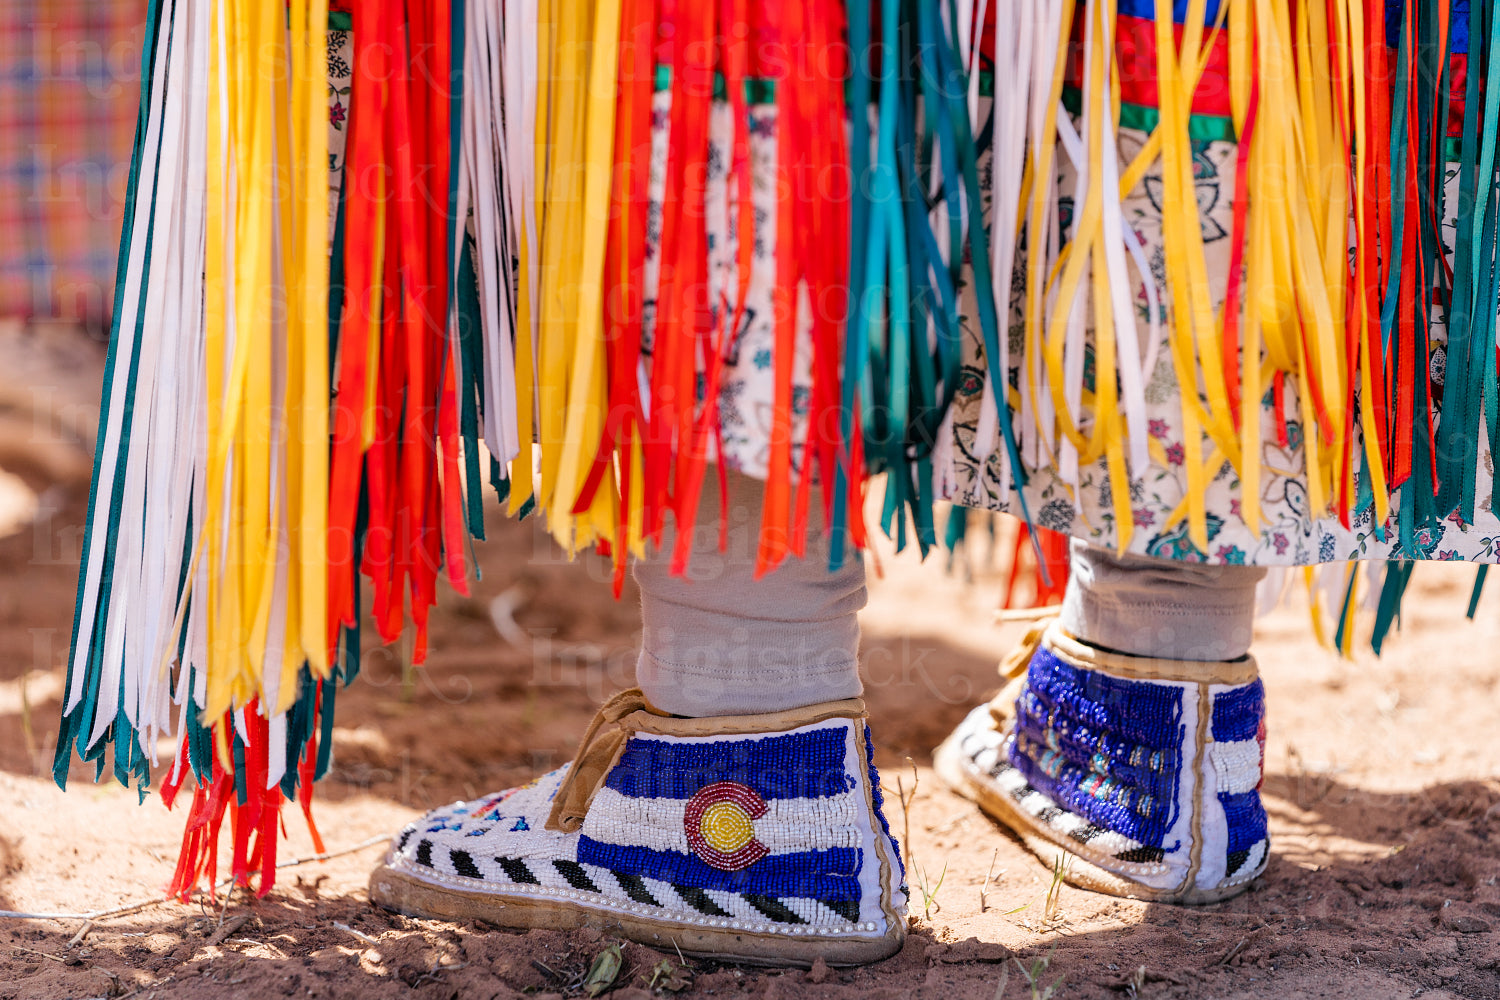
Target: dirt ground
{"x": 1383, "y": 787}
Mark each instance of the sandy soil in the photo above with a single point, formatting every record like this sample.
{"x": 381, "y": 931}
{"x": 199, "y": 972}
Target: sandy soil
{"x": 1382, "y": 788}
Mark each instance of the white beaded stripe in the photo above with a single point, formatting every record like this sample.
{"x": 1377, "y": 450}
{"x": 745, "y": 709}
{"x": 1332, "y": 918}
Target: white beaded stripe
{"x": 1034, "y": 803}
{"x": 979, "y": 733}
{"x": 1236, "y": 765}
{"x": 1112, "y": 843}
{"x": 788, "y": 826}
{"x": 987, "y": 757}
{"x": 597, "y": 901}
{"x": 491, "y": 839}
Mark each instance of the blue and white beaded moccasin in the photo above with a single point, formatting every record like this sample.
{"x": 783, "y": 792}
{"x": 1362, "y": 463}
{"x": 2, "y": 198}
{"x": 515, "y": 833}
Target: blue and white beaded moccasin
{"x": 745, "y": 838}
{"x": 1147, "y": 772}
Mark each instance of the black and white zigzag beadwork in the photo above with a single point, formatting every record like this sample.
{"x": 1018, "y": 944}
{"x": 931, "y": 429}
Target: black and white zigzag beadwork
{"x": 672, "y": 900}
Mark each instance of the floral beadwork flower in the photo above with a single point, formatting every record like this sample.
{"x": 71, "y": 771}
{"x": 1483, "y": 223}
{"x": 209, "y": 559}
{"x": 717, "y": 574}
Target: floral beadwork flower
{"x": 1231, "y": 555}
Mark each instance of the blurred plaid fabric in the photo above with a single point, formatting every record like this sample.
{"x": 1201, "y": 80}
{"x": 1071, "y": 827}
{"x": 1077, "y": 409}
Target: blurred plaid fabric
{"x": 69, "y": 89}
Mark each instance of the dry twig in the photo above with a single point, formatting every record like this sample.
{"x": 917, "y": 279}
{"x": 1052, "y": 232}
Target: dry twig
{"x": 40, "y": 954}
{"x": 83, "y": 932}
{"x": 357, "y": 933}
{"x": 227, "y": 928}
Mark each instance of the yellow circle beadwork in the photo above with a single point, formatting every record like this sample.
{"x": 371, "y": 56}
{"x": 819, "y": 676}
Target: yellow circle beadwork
{"x": 726, "y": 827}
{"x": 719, "y": 823}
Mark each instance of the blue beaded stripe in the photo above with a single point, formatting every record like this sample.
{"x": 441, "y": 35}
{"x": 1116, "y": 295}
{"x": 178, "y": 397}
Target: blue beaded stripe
{"x": 1247, "y": 820}
{"x": 1134, "y": 711}
{"x": 1237, "y": 713}
{"x": 1107, "y": 749}
{"x": 1094, "y": 748}
{"x": 808, "y": 765}
{"x": 826, "y": 874}
{"x": 877, "y": 799}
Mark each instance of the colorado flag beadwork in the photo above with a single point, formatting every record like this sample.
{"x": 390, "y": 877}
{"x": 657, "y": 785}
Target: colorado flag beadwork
{"x": 746, "y": 832}
{"x": 776, "y": 815}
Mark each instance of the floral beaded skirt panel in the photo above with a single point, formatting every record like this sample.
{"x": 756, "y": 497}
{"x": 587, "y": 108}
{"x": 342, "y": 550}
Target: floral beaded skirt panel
{"x": 1300, "y": 491}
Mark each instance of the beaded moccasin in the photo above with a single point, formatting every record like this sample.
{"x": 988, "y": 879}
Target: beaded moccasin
{"x": 744, "y": 838}
{"x": 1147, "y": 772}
